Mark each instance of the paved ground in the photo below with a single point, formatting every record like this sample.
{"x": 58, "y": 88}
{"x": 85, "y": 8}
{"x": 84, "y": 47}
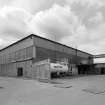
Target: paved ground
{"x": 89, "y": 90}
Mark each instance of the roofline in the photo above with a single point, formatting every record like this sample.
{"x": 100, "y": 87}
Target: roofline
{"x": 16, "y": 42}
{"x": 61, "y": 44}
{"x": 31, "y": 35}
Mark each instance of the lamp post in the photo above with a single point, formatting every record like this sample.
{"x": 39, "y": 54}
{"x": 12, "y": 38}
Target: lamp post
{"x": 76, "y": 50}
{"x": 55, "y": 48}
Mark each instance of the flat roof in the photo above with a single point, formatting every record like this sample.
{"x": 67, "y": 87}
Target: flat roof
{"x": 98, "y": 63}
{"x": 34, "y": 35}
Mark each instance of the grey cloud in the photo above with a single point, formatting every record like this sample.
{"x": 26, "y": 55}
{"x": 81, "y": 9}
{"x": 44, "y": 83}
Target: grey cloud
{"x": 13, "y": 25}
{"x": 34, "y": 6}
{"x": 85, "y": 13}
{"x": 58, "y": 21}
{"x": 5, "y": 2}
{"x": 76, "y": 23}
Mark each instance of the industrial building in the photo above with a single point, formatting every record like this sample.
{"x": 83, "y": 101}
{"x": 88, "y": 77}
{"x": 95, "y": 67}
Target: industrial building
{"x": 21, "y": 57}
{"x": 99, "y": 68}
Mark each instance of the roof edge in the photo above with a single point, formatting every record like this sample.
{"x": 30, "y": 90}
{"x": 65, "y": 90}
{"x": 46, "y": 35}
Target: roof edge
{"x": 34, "y": 35}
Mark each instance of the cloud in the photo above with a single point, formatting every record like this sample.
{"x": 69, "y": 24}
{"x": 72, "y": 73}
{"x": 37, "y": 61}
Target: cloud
{"x": 57, "y": 22}
{"x": 71, "y": 31}
{"x": 15, "y": 17}
{"x": 34, "y": 6}
{"x": 88, "y": 3}
{"x": 79, "y": 24}
{"x": 5, "y": 3}
{"x": 1, "y": 42}
{"x": 75, "y": 23}
{"x": 13, "y": 23}
{"x": 91, "y": 32}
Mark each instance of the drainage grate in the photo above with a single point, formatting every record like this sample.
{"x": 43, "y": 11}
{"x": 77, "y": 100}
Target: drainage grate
{"x": 94, "y": 90}
{"x": 54, "y": 82}
{"x": 63, "y": 86}
{"x": 1, "y": 87}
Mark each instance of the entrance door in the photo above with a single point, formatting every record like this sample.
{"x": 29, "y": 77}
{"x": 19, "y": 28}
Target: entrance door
{"x": 20, "y": 72}
{"x": 102, "y": 70}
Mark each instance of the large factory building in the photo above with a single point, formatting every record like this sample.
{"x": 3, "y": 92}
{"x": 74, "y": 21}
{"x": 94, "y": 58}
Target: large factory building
{"x": 19, "y": 59}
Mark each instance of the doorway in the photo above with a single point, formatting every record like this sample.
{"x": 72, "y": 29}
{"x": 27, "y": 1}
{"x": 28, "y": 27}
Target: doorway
{"x": 102, "y": 70}
{"x": 20, "y": 72}
{"x": 84, "y": 69}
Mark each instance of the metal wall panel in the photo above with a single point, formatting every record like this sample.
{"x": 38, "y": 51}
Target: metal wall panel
{"x": 38, "y": 42}
{"x": 43, "y": 53}
{"x": 19, "y": 51}
{"x": 53, "y": 46}
{"x": 10, "y": 69}
{"x": 82, "y": 54}
{"x": 21, "y": 54}
{"x": 20, "y": 45}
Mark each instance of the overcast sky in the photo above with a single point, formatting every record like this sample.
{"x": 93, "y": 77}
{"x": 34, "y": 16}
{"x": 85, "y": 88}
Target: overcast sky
{"x": 77, "y": 23}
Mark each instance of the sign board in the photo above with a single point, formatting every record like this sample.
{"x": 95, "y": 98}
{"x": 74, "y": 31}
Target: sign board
{"x": 58, "y": 67}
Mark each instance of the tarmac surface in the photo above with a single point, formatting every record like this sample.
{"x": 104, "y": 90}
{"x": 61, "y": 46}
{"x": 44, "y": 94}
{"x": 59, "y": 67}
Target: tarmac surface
{"x": 88, "y": 90}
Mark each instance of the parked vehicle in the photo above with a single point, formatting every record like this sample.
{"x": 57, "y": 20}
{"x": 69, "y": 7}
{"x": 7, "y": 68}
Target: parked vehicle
{"x": 58, "y": 69}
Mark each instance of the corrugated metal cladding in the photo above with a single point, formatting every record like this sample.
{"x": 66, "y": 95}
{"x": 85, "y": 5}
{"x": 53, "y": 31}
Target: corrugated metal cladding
{"x": 40, "y": 42}
{"x": 20, "y": 57}
{"x": 43, "y": 53}
{"x": 17, "y": 56}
